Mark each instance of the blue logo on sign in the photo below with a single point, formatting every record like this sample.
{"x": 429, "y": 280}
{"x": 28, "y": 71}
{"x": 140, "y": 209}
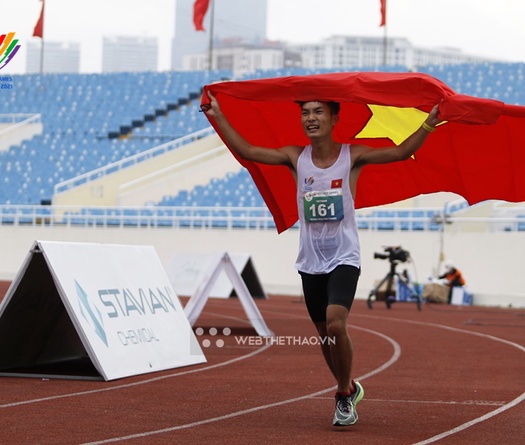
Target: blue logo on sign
{"x": 91, "y": 314}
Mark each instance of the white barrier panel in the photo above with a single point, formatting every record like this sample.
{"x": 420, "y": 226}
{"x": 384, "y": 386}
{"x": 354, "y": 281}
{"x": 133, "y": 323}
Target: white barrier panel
{"x": 461, "y": 296}
{"x": 223, "y": 264}
{"x": 187, "y": 271}
{"x": 99, "y": 311}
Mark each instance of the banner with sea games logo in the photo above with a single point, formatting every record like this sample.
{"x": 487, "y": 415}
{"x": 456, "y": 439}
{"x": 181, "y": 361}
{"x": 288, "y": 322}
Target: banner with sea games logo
{"x": 110, "y": 305}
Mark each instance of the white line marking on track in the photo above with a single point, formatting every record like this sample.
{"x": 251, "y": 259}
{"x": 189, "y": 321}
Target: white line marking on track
{"x": 435, "y": 402}
{"x": 487, "y": 416}
{"x": 390, "y": 362}
{"x": 142, "y": 382}
{"x": 473, "y": 422}
{"x": 393, "y": 359}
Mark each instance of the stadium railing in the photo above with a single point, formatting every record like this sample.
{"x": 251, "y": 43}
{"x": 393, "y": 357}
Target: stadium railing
{"x": 131, "y": 160}
{"x": 215, "y": 217}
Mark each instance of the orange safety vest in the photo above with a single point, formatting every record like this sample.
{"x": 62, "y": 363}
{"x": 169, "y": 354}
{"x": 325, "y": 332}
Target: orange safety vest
{"x": 455, "y": 278}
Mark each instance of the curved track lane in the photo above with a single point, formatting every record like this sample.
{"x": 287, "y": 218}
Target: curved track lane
{"x": 443, "y": 375}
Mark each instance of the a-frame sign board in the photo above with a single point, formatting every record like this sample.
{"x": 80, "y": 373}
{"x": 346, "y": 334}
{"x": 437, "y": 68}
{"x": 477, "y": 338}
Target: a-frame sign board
{"x": 196, "y": 303}
{"x": 93, "y": 311}
{"x": 187, "y": 269}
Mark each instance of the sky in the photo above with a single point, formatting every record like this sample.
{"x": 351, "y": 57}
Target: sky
{"x": 488, "y": 28}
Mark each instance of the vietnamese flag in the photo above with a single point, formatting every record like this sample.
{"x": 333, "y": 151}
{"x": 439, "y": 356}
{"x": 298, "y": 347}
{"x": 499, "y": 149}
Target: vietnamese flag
{"x": 200, "y": 7}
{"x": 383, "y": 13}
{"x": 337, "y": 183}
{"x": 39, "y": 27}
{"x": 479, "y": 153}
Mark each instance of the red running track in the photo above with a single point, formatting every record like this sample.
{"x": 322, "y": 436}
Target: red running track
{"x": 446, "y": 375}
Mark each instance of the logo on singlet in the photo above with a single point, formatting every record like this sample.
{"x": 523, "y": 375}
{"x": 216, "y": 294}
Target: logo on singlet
{"x": 308, "y": 183}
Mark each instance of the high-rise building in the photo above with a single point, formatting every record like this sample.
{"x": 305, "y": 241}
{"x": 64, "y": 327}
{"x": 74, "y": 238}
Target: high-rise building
{"x": 361, "y": 51}
{"x": 235, "y": 22}
{"x": 241, "y": 60}
{"x": 129, "y": 54}
{"x": 59, "y": 57}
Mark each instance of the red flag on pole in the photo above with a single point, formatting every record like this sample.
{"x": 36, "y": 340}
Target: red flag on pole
{"x": 39, "y": 27}
{"x": 383, "y": 13}
{"x": 200, "y": 7}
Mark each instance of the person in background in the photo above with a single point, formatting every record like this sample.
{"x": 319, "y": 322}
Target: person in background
{"x": 453, "y": 277}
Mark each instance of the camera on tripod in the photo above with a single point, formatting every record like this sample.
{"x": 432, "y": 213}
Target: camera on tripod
{"x": 393, "y": 254}
{"x": 395, "y": 282}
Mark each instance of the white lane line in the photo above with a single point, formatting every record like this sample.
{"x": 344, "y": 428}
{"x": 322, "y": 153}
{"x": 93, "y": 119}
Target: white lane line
{"x": 211, "y": 420}
{"x": 393, "y": 359}
{"x": 435, "y": 402}
{"x": 487, "y": 416}
{"x": 395, "y": 356}
{"x": 427, "y": 441}
{"x": 142, "y": 382}
{"x": 447, "y": 328}
{"x": 466, "y": 425}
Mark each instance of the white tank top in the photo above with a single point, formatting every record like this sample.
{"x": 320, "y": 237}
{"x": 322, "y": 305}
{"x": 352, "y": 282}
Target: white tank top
{"x": 328, "y": 229}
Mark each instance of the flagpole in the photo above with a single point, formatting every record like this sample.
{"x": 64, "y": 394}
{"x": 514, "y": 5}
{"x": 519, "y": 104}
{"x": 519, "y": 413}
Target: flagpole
{"x": 385, "y": 45}
{"x": 210, "y": 46}
{"x": 39, "y": 32}
{"x": 384, "y": 24}
{"x": 42, "y": 55}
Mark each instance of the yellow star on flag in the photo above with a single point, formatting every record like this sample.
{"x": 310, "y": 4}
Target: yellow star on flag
{"x": 392, "y": 122}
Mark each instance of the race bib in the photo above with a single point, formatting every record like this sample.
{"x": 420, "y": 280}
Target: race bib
{"x": 322, "y": 206}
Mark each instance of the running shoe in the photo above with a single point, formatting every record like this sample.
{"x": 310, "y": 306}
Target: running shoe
{"x": 345, "y": 413}
{"x": 358, "y": 394}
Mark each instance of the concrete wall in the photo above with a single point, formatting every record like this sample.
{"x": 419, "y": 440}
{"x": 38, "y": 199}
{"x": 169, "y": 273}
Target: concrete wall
{"x": 492, "y": 263}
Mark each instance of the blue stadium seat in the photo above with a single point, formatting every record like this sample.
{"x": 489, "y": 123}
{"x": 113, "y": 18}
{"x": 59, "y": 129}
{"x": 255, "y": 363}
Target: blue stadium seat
{"x": 386, "y": 221}
{"x": 521, "y": 223}
{"x": 82, "y": 110}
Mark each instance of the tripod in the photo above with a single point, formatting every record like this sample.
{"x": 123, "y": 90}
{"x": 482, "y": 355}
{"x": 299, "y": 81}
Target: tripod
{"x": 389, "y": 279}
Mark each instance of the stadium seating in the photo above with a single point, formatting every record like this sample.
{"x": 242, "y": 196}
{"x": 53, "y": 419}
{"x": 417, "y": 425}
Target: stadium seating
{"x": 494, "y": 80}
{"x": 233, "y": 190}
{"x": 91, "y": 120}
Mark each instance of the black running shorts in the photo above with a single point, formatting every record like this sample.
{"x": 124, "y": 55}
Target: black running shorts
{"x": 336, "y": 287}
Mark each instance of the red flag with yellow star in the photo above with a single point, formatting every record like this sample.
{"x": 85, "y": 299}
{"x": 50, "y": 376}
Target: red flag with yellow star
{"x": 477, "y": 153}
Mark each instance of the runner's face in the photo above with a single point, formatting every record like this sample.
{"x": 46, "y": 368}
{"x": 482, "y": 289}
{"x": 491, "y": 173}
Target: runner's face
{"x": 316, "y": 119}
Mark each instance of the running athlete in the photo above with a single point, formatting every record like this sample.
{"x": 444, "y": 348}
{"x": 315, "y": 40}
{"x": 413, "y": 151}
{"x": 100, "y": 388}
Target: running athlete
{"x": 326, "y": 174}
